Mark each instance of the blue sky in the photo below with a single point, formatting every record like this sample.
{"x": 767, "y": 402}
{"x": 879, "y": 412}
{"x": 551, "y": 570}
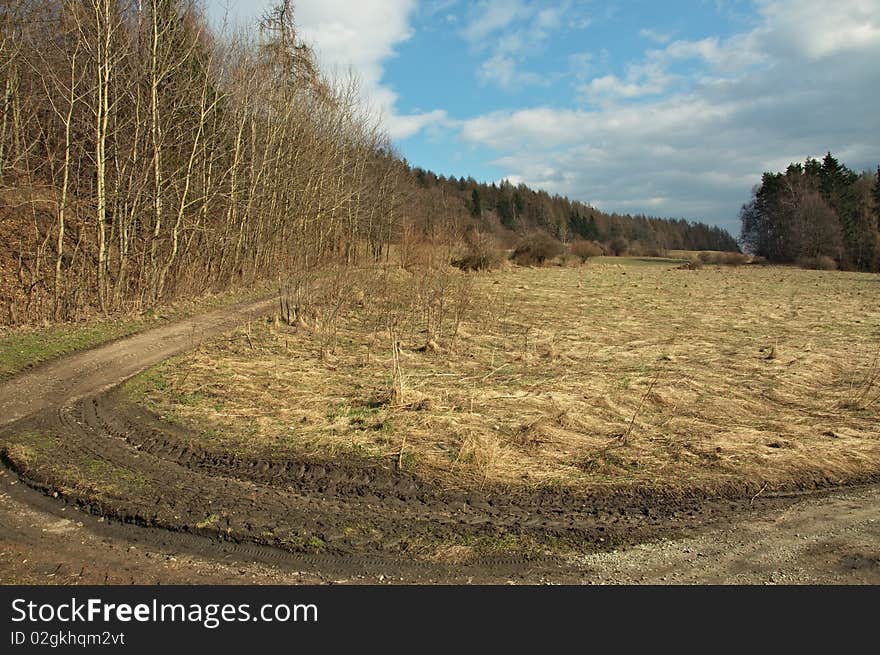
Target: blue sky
{"x": 667, "y": 108}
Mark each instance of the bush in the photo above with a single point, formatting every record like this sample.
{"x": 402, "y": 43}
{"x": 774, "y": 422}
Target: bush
{"x": 693, "y": 265}
{"x": 734, "y": 259}
{"x": 723, "y": 258}
{"x": 618, "y": 247}
{"x": 481, "y": 253}
{"x": 568, "y": 260}
{"x": 537, "y": 249}
{"x": 708, "y": 257}
{"x": 586, "y": 249}
{"x": 635, "y": 249}
{"x": 820, "y": 263}
{"x": 654, "y": 251}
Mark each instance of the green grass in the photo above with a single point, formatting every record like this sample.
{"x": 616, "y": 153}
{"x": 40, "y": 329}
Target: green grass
{"x": 22, "y": 348}
{"x": 105, "y": 477}
{"x": 30, "y": 448}
{"x": 19, "y": 350}
{"x": 41, "y": 451}
{"x": 208, "y": 522}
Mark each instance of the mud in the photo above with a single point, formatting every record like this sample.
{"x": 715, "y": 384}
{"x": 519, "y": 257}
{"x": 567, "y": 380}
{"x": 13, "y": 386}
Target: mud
{"x": 341, "y": 519}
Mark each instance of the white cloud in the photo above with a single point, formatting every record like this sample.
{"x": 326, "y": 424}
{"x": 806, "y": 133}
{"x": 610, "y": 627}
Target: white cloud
{"x": 655, "y": 36}
{"x": 490, "y": 16}
{"x": 512, "y": 31}
{"x": 611, "y": 87}
{"x": 361, "y": 36}
{"x": 804, "y": 80}
{"x": 819, "y": 29}
{"x": 405, "y": 126}
{"x": 502, "y": 71}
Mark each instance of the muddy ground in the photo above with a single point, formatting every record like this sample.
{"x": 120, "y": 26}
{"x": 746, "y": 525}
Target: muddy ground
{"x": 99, "y": 490}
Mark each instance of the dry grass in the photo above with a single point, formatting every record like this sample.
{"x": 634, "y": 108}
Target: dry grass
{"x": 626, "y": 372}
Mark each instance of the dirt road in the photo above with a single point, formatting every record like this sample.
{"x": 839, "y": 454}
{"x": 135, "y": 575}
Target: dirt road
{"x": 88, "y": 372}
{"x": 288, "y": 521}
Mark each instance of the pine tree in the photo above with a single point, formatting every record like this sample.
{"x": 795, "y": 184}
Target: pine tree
{"x": 505, "y": 212}
{"x": 476, "y": 205}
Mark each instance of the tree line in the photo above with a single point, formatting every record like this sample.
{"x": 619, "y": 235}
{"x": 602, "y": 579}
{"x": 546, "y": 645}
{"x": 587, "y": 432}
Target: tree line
{"x": 817, "y": 214}
{"x": 514, "y": 210}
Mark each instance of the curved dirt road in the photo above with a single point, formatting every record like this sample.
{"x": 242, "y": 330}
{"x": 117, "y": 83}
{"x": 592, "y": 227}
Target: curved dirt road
{"x": 88, "y": 372}
{"x": 828, "y": 537}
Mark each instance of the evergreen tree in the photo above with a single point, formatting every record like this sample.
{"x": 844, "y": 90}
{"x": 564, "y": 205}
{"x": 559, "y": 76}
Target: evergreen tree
{"x": 505, "y": 212}
{"x": 814, "y": 210}
{"x": 519, "y": 204}
{"x": 476, "y": 205}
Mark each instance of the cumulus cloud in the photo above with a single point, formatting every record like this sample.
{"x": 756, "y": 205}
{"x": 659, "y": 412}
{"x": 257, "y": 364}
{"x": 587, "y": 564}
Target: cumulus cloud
{"x": 502, "y": 70}
{"x": 405, "y": 126}
{"x": 804, "y": 80}
{"x": 361, "y": 37}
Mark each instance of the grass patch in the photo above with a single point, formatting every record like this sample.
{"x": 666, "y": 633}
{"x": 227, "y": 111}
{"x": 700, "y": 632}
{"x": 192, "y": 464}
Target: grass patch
{"x": 105, "y": 478}
{"x": 47, "y": 454}
{"x": 466, "y": 549}
{"x": 208, "y": 521}
{"x": 21, "y": 349}
{"x": 30, "y": 448}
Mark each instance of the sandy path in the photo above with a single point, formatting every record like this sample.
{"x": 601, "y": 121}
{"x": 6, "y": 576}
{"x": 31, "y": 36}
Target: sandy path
{"x": 833, "y": 539}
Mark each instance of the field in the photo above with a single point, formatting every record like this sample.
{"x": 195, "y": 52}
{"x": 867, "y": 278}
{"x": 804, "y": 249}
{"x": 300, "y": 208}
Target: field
{"x": 465, "y": 418}
{"x": 619, "y": 373}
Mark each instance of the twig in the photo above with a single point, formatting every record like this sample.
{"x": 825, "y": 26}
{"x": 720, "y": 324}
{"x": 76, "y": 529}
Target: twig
{"x": 639, "y": 408}
{"x": 758, "y": 494}
{"x": 400, "y": 455}
{"x": 491, "y": 373}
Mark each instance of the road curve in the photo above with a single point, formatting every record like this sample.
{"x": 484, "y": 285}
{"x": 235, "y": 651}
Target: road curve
{"x": 89, "y": 372}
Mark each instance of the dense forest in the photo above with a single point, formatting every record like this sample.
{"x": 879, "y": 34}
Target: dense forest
{"x": 145, "y": 157}
{"x": 510, "y": 210}
{"x": 817, "y": 214}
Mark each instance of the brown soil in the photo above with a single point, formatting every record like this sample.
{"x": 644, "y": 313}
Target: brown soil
{"x": 138, "y": 482}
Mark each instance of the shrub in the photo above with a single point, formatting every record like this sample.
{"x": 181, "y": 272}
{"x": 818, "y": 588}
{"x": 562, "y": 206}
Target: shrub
{"x": 568, "y": 260}
{"x": 820, "y": 263}
{"x": 654, "y": 251}
{"x": 693, "y": 265}
{"x": 707, "y": 257}
{"x": 635, "y": 249}
{"x": 481, "y": 253}
{"x": 586, "y": 249}
{"x": 537, "y": 249}
{"x": 618, "y": 246}
{"x": 733, "y": 259}
{"x": 723, "y": 258}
